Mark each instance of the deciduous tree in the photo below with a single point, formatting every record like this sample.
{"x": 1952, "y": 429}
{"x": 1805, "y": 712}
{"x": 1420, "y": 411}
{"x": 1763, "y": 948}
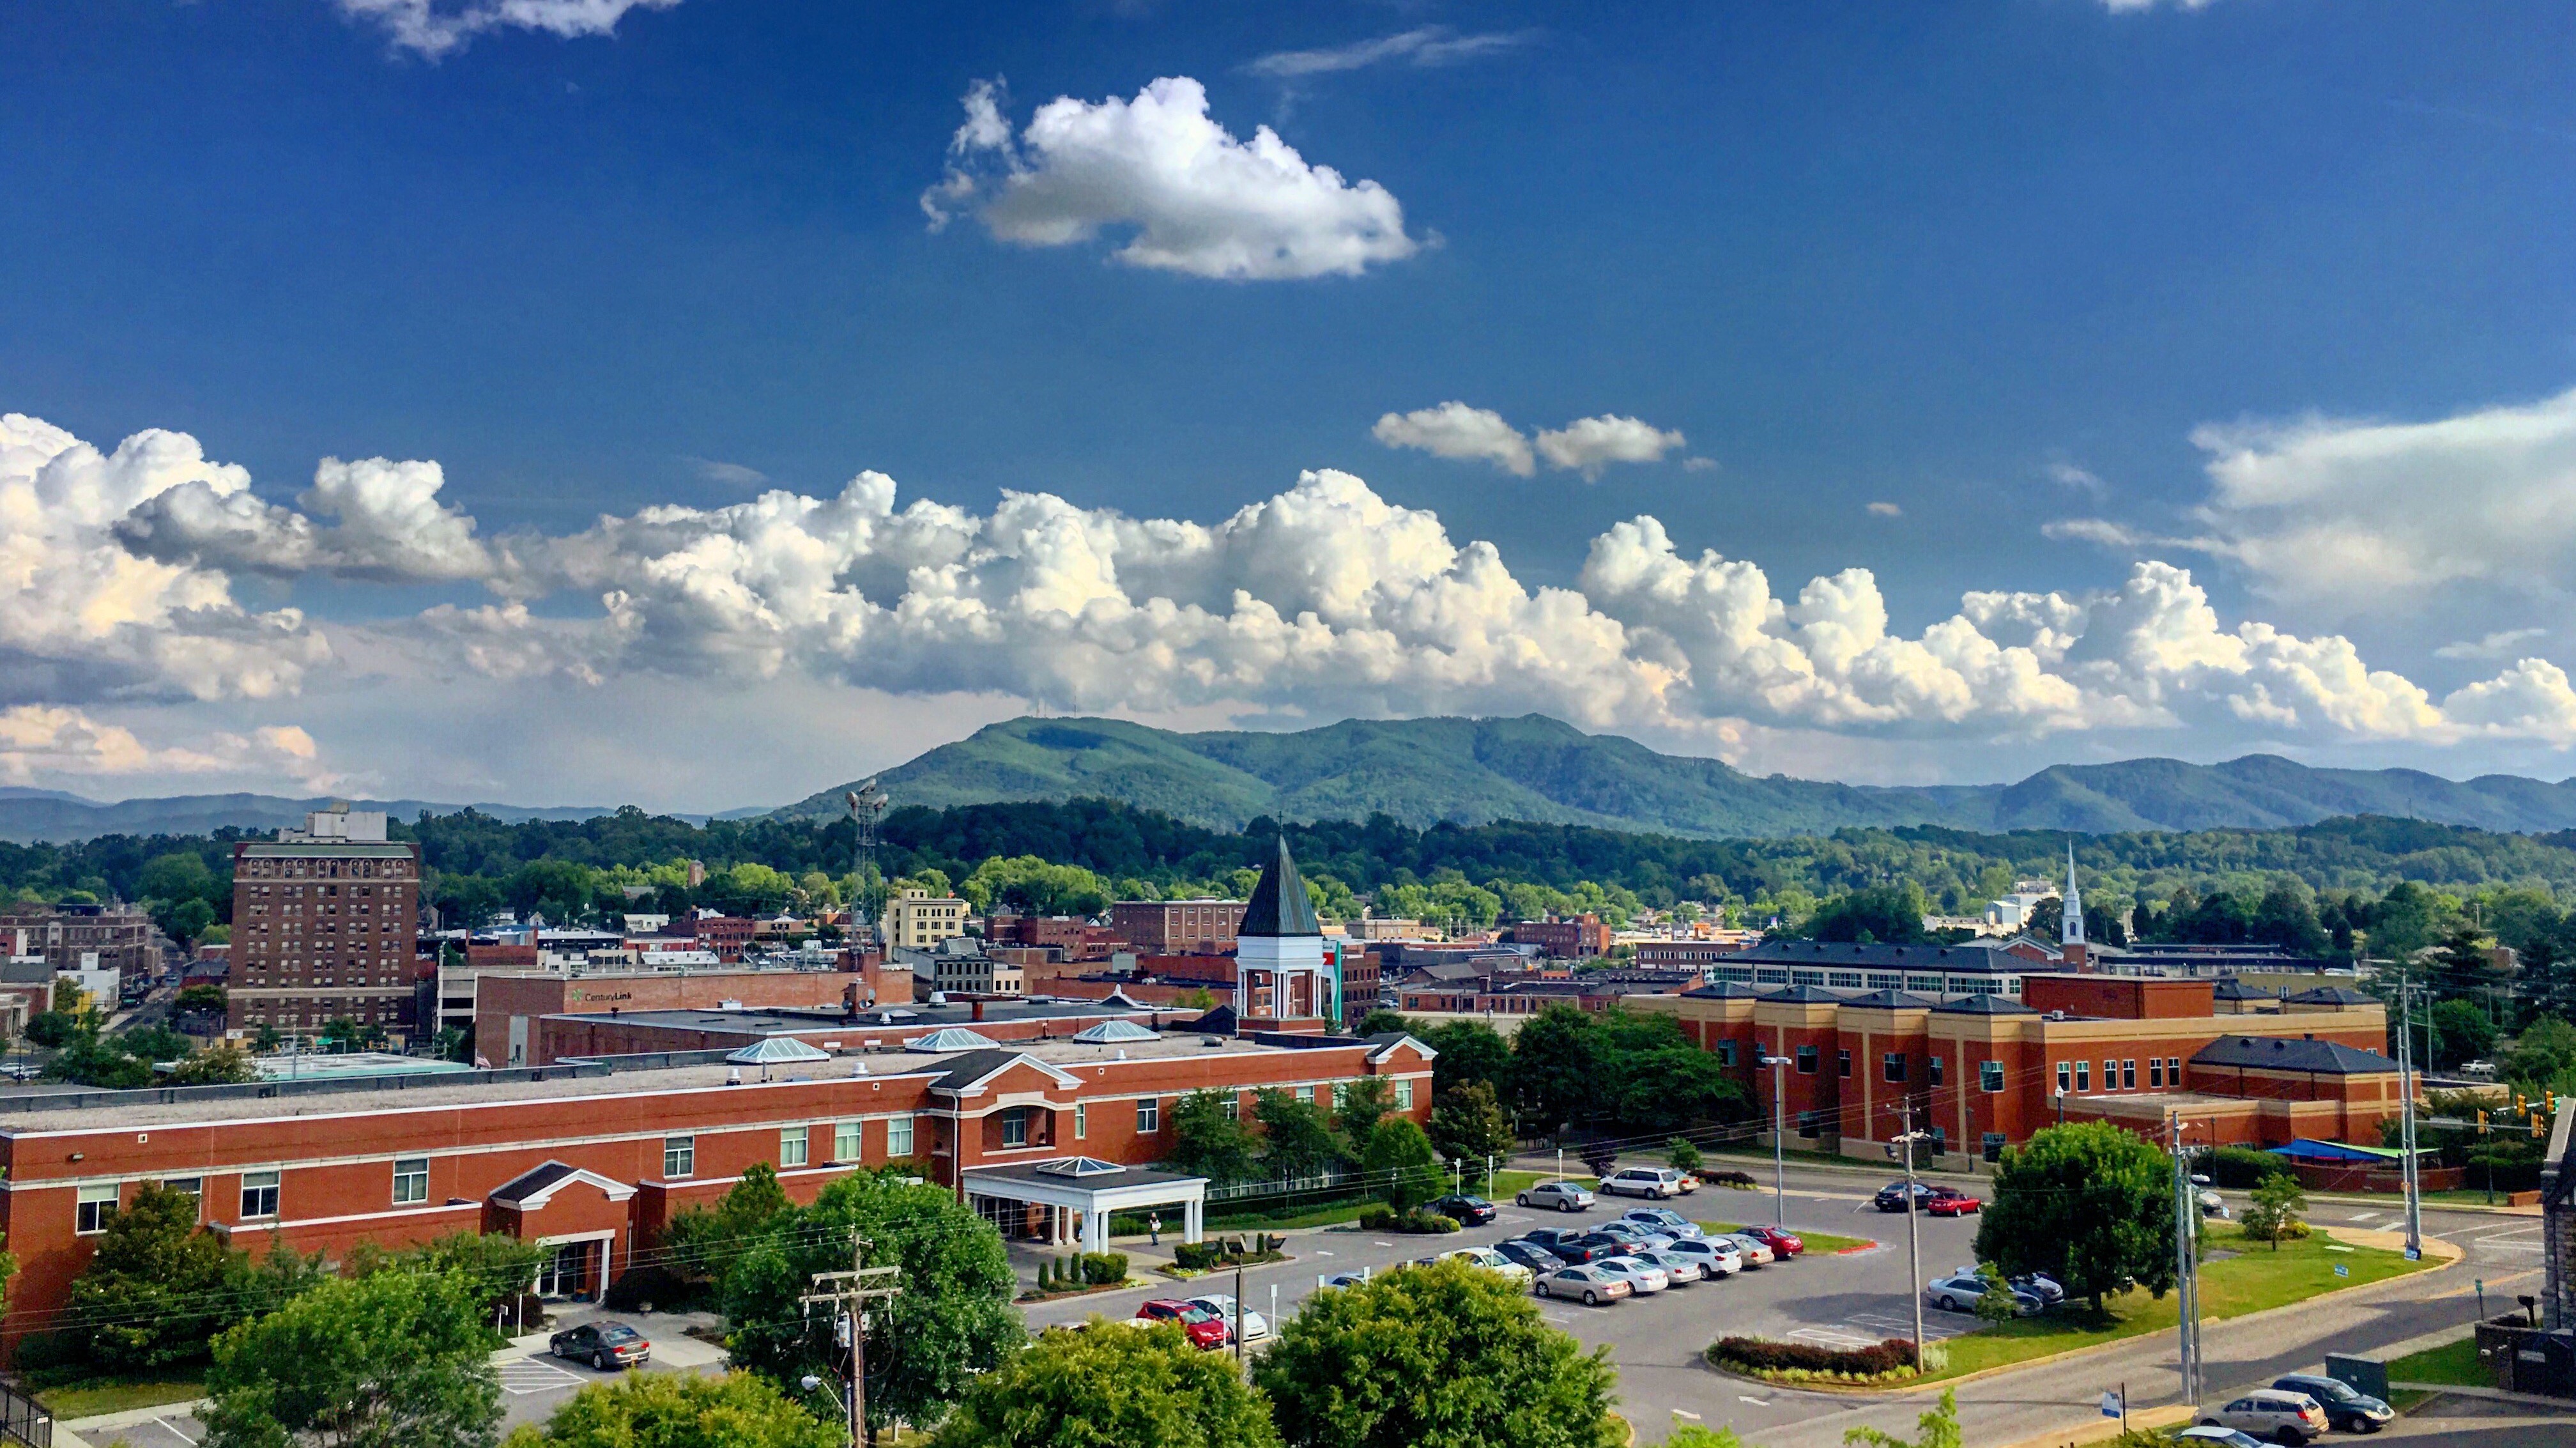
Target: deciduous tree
{"x": 2278, "y": 1204}
{"x": 1445, "y": 1356}
{"x": 2090, "y": 1205}
{"x": 1210, "y": 1138}
{"x": 1400, "y": 1163}
{"x": 1468, "y": 1126}
{"x": 154, "y": 1289}
{"x": 392, "y": 1360}
{"x": 681, "y": 1410}
{"x": 1108, "y": 1384}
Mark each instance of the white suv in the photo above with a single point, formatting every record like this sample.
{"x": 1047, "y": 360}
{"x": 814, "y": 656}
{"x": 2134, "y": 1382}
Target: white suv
{"x": 2271, "y": 1413}
{"x": 1644, "y": 1181}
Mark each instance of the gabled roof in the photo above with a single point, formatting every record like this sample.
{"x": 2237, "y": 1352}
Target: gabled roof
{"x": 2333, "y": 995}
{"x": 1383, "y": 1044}
{"x": 1890, "y": 1000}
{"x": 965, "y": 1075}
{"x": 537, "y": 1186}
{"x": 1218, "y": 1022}
{"x": 1987, "y": 1004}
{"x": 2275, "y": 1053}
{"x": 2229, "y": 988}
{"x": 1279, "y": 905}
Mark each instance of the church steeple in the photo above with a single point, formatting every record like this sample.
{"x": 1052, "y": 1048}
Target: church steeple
{"x": 1279, "y": 906}
{"x": 2071, "y": 930}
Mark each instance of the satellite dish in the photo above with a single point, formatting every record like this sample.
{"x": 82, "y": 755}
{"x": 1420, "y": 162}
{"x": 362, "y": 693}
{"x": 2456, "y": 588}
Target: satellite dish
{"x": 851, "y": 799}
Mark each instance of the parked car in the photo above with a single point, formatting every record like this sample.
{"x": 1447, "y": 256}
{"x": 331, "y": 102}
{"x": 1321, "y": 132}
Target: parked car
{"x": 1345, "y": 1279}
{"x": 1573, "y": 1245}
{"x": 1253, "y": 1328}
{"x": 1783, "y": 1243}
{"x": 1891, "y": 1197}
{"x": 1465, "y": 1211}
{"x": 1615, "y": 1244}
{"x": 1755, "y": 1251}
{"x": 2198, "y": 1437}
{"x": 1561, "y": 1196}
{"x": 1960, "y": 1294}
{"x": 1491, "y": 1260}
{"x": 1529, "y": 1254}
{"x": 1720, "y": 1256}
{"x": 2039, "y": 1285}
{"x": 1588, "y": 1282}
{"x": 1643, "y": 1181}
{"x": 603, "y": 1345}
{"x": 2211, "y": 1204}
{"x": 1951, "y": 1202}
{"x": 2347, "y": 1408}
{"x": 1643, "y": 1275}
{"x": 1682, "y": 1269}
{"x": 2291, "y": 1418}
{"x": 1636, "y": 1233}
{"x": 1665, "y": 1220}
{"x": 1203, "y": 1328}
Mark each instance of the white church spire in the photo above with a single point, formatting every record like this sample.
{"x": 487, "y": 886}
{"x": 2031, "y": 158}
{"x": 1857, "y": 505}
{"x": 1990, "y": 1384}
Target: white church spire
{"x": 2071, "y": 931}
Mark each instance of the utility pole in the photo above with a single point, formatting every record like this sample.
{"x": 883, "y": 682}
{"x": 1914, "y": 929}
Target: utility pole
{"x": 849, "y": 1294}
{"x": 1779, "y": 1125}
{"x": 1913, "y": 1238}
{"x": 2406, "y": 1138}
{"x": 2186, "y": 1266}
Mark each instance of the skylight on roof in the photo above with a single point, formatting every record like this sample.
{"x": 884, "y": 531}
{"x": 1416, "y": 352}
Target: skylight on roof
{"x": 1079, "y": 1166}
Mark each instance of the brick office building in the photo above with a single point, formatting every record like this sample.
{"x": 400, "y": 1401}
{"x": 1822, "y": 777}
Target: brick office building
{"x": 1582, "y": 938}
{"x": 1177, "y": 927}
{"x": 594, "y": 1163}
{"x": 325, "y": 919}
{"x": 1984, "y": 1069}
{"x": 121, "y": 938}
{"x": 508, "y": 1004}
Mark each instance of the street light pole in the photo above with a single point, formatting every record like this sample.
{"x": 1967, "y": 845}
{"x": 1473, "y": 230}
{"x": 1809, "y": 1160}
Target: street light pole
{"x": 1913, "y": 1238}
{"x": 1779, "y": 1124}
{"x": 2406, "y": 1090}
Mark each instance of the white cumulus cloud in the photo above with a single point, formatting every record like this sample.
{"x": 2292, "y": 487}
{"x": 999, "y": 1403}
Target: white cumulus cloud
{"x": 1184, "y": 192}
{"x": 1590, "y": 444}
{"x": 388, "y": 526}
{"x": 50, "y": 741}
{"x": 432, "y": 29}
{"x": 1459, "y": 432}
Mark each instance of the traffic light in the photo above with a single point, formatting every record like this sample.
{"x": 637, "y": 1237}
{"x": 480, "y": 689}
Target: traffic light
{"x": 2482, "y": 1122}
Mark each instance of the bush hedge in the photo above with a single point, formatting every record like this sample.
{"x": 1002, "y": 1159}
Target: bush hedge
{"x": 1741, "y": 1181}
{"x": 2241, "y": 1166}
{"x": 1762, "y": 1355}
{"x": 1104, "y": 1269}
{"x": 1415, "y": 1220}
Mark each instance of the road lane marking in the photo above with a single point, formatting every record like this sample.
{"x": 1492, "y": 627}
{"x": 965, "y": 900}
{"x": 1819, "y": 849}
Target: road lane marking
{"x": 1687, "y": 1413}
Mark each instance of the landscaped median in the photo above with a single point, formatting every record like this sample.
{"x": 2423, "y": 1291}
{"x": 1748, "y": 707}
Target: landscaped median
{"x": 2237, "y": 1277}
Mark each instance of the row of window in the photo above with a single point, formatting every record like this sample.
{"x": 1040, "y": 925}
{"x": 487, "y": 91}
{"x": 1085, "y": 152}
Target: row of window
{"x": 94, "y": 1206}
{"x": 2120, "y": 1075}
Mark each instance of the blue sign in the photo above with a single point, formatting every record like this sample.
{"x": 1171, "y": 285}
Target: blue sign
{"x": 2342, "y": 1271}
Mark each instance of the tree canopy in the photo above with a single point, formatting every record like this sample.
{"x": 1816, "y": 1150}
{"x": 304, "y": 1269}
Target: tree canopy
{"x": 681, "y": 1410}
{"x": 1110, "y": 1386}
{"x": 390, "y": 1360}
{"x": 2090, "y": 1205}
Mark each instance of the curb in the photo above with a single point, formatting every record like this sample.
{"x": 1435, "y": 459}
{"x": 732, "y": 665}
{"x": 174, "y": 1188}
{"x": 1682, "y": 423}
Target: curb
{"x": 1920, "y": 1385}
{"x": 2495, "y": 1395}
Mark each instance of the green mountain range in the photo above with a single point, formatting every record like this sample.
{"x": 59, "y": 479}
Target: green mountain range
{"x": 1423, "y": 771}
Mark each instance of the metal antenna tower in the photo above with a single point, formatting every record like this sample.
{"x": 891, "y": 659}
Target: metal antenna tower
{"x": 867, "y": 804}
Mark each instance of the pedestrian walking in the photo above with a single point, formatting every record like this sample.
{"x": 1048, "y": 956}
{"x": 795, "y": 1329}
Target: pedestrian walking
{"x": 1154, "y": 1227}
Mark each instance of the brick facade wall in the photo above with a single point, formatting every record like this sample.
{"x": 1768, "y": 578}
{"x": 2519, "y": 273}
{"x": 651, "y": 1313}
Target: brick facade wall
{"x": 322, "y": 932}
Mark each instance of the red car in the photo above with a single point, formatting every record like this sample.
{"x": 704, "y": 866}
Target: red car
{"x": 1204, "y": 1328}
{"x": 1951, "y": 1202}
{"x": 1783, "y": 1244}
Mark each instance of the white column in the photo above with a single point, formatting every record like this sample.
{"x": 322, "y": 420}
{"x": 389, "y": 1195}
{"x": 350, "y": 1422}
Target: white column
{"x": 1193, "y": 1215}
{"x": 1095, "y": 1230}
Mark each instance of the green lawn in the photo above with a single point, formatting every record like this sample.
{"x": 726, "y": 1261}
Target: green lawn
{"x": 115, "y": 1395}
{"x": 1328, "y": 1215}
{"x": 1817, "y": 1242}
{"x": 2455, "y": 1363}
{"x": 2257, "y": 1278}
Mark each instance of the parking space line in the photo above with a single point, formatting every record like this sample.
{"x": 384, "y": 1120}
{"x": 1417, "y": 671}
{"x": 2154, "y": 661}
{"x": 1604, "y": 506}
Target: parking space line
{"x": 173, "y": 1428}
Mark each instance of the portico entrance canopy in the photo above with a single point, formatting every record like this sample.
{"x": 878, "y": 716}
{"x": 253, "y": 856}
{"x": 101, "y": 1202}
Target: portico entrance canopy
{"x": 1081, "y": 1191}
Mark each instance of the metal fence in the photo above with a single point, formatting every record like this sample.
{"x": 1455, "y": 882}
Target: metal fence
{"x": 22, "y": 1421}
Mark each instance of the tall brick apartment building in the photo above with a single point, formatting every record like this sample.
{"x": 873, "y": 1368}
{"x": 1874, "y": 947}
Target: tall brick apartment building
{"x": 1178, "y": 927}
{"x": 324, "y": 923}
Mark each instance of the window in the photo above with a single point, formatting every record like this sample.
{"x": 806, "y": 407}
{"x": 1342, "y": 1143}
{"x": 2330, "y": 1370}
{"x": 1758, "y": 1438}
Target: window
{"x": 258, "y": 1194}
{"x": 793, "y": 1143}
{"x": 1893, "y": 1064}
{"x": 2155, "y": 1071}
{"x": 1806, "y": 1060}
{"x": 193, "y": 1188}
{"x": 1149, "y": 1116}
{"x": 679, "y": 1156}
{"x": 2063, "y": 1082}
{"x": 2173, "y": 1071}
{"x": 2128, "y": 1075}
{"x": 1015, "y": 1127}
{"x": 1726, "y": 1053}
{"x": 1842, "y": 1064}
{"x": 1990, "y": 1075}
{"x": 1232, "y": 1106}
{"x": 2110, "y": 1075}
{"x": 899, "y": 1137}
{"x": 2083, "y": 1075}
{"x": 1934, "y": 1076}
{"x": 96, "y": 1205}
{"x": 1081, "y": 1121}
{"x": 411, "y": 1180}
{"x": 845, "y": 1140}
{"x": 1404, "y": 1096}
{"x": 1993, "y": 1144}
{"x": 1811, "y": 1124}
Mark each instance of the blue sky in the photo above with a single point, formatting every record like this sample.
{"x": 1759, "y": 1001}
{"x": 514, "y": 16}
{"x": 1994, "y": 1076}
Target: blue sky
{"x": 2222, "y": 351}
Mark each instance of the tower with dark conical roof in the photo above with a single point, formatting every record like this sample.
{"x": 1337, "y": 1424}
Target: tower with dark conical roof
{"x": 1281, "y": 980}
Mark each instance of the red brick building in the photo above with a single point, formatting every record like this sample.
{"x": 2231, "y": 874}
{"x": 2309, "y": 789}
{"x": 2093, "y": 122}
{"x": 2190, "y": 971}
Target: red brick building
{"x": 727, "y": 935}
{"x": 507, "y": 1005}
{"x": 1984, "y": 1070}
{"x": 594, "y": 1163}
{"x": 1582, "y": 938}
{"x": 324, "y": 924}
{"x": 1177, "y": 927}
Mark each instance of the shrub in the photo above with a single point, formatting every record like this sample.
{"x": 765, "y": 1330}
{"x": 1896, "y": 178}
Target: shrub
{"x": 1762, "y": 1355}
{"x": 1104, "y": 1269}
{"x": 2242, "y": 1166}
{"x": 1377, "y": 1219}
{"x": 1197, "y": 1256}
{"x": 1426, "y": 1223}
{"x": 1741, "y": 1181}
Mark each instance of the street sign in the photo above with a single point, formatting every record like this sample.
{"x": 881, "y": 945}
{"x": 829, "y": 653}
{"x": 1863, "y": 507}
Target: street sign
{"x": 2110, "y": 1405}
{"x": 2413, "y": 1254}
{"x": 2341, "y": 1270}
